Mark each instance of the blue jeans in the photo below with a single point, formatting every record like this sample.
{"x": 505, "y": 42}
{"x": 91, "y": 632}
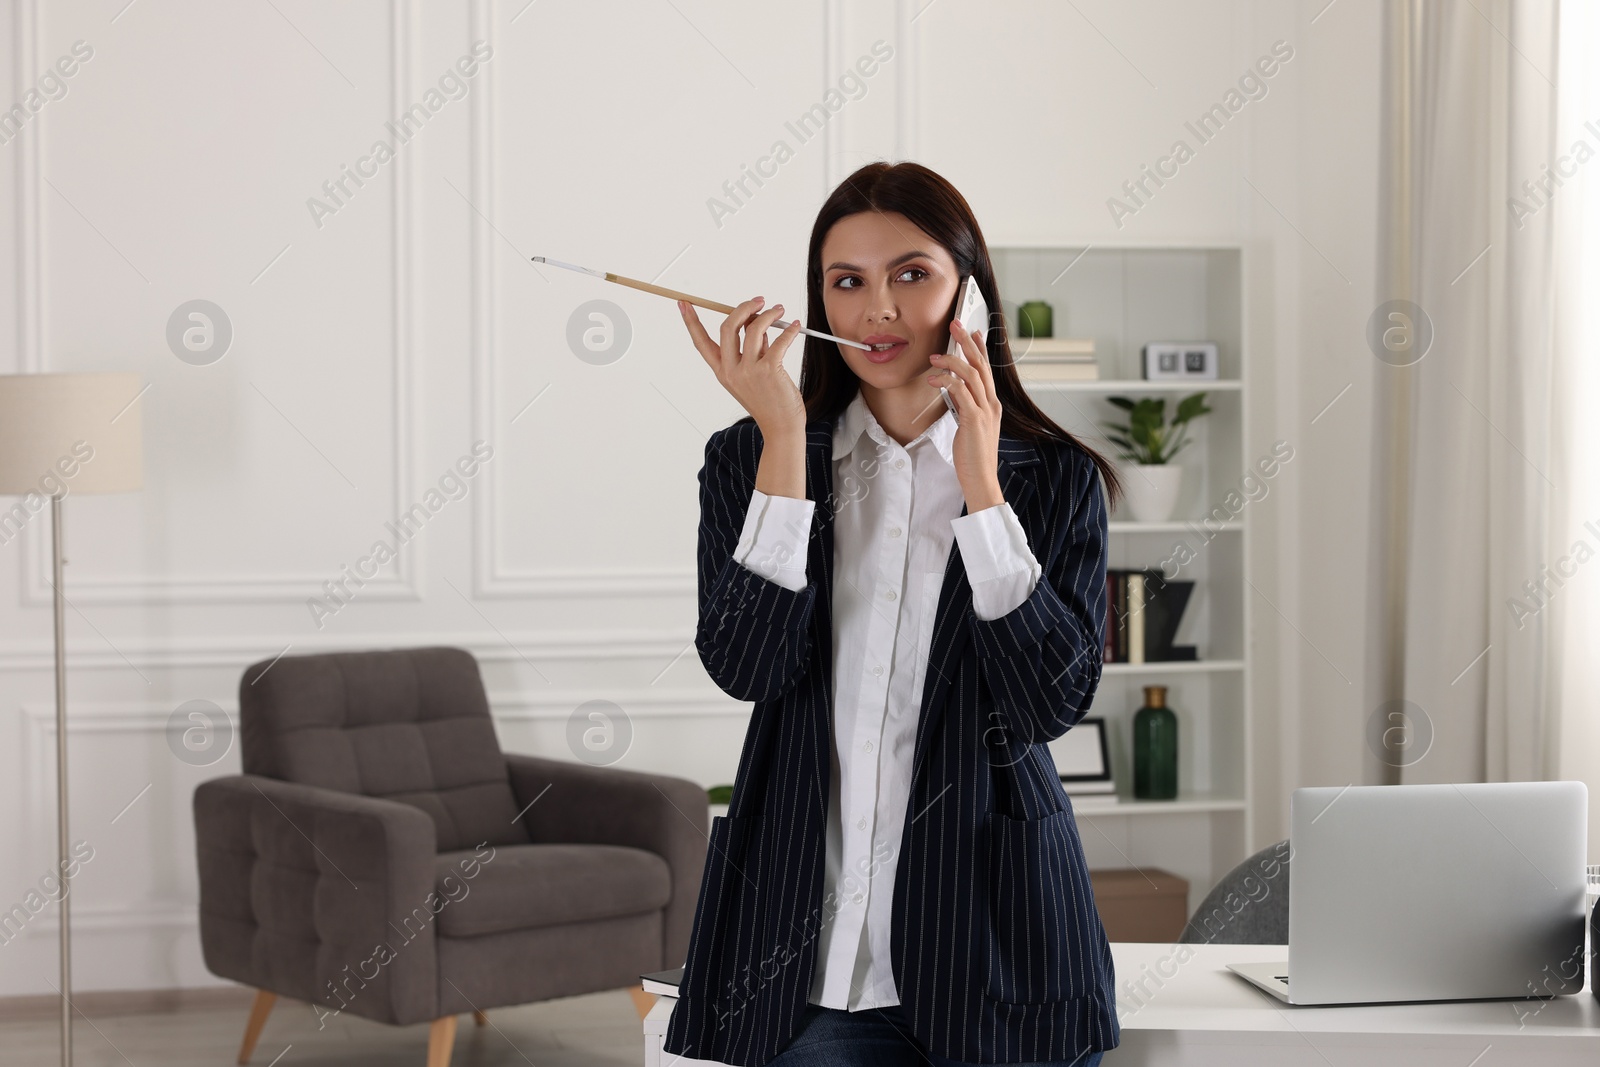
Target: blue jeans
{"x": 879, "y": 1037}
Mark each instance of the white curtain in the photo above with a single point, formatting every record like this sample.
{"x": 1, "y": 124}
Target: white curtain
{"x": 1467, "y": 479}
{"x": 1575, "y": 418}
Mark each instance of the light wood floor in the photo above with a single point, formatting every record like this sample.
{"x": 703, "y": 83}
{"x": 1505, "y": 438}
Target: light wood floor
{"x": 595, "y": 1029}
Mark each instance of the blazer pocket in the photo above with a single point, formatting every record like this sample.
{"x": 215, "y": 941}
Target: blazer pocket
{"x": 1043, "y": 926}
{"x": 709, "y": 967}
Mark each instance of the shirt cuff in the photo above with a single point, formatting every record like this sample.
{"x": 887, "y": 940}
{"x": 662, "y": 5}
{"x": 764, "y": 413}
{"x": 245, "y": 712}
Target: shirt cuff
{"x": 777, "y": 530}
{"x": 1001, "y": 568}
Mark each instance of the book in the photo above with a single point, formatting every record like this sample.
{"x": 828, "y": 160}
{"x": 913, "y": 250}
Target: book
{"x": 663, "y": 983}
{"x": 1052, "y": 371}
{"x": 1034, "y": 347}
{"x": 1143, "y": 612}
{"x": 1136, "y": 617}
{"x": 1109, "y": 653}
{"x": 1117, "y": 633}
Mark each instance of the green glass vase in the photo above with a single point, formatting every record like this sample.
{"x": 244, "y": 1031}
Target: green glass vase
{"x": 1155, "y": 747}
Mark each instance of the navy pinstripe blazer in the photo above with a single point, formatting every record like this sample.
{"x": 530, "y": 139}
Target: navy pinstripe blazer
{"x": 997, "y": 949}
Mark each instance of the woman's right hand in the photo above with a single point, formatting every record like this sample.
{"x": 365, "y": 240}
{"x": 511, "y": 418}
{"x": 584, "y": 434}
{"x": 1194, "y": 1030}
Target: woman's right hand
{"x": 750, "y": 368}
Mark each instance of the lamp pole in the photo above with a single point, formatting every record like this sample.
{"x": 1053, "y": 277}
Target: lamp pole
{"x": 57, "y": 563}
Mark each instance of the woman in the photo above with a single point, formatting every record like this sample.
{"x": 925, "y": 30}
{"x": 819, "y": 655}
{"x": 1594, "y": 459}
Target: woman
{"x": 914, "y": 600}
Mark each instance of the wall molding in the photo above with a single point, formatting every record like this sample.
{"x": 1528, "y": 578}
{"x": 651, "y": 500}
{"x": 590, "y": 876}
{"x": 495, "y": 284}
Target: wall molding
{"x": 489, "y": 647}
{"x": 34, "y": 557}
{"x": 648, "y": 703}
{"x": 95, "y": 717}
{"x": 491, "y": 580}
{"x": 38, "y": 779}
{"x": 119, "y": 919}
{"x": 219, "y": 996}
{"x": 147, "y": 716}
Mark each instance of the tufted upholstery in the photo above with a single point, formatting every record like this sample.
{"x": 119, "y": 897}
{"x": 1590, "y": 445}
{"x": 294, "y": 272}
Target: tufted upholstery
{"x": 298, "y": 887}
{"x": 381, "y": 856}
{"x": 411, "y": 726}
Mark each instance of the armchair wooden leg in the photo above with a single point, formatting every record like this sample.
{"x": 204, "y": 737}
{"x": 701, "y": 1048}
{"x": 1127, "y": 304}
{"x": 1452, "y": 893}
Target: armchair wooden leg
{"x": 441, "y": 1041}
{"x": 258, "y": 1019}
{"x": 642, "y": 1001}
{"x": 481, "y": 1018}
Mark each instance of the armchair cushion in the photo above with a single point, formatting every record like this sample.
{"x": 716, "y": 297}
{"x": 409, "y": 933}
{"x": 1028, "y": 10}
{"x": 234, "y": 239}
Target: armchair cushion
{"x": 564, "y": 802}
{"x": 517, "y": 887}
{"x": 410, "y": 725}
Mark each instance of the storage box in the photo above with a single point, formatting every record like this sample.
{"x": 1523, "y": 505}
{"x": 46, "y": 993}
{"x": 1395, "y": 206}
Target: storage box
{"x": 1141, "y": 905}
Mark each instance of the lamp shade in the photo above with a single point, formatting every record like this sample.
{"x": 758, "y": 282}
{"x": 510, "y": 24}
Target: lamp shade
{"x": 69, "y": 433}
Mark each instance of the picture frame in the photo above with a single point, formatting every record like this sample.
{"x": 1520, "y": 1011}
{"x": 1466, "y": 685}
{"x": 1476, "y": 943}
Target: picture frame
{"x": 1167, "y": 360}
{"x": 1083, "y": 758}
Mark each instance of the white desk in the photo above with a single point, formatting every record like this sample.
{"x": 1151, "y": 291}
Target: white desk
{"x": 1199, "y": 1014}
{"x": 1205, "y": 1014}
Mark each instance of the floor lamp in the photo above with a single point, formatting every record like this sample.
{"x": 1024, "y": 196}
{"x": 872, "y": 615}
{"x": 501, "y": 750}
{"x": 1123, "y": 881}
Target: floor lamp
{"x": 62, "y": 434}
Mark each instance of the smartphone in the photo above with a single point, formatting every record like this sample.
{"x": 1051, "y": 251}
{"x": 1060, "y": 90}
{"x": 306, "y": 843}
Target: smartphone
{"x": 973, "y": 314}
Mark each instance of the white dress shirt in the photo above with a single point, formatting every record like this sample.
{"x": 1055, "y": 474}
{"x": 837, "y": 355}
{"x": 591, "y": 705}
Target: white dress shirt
{"x": 897, "y": 509}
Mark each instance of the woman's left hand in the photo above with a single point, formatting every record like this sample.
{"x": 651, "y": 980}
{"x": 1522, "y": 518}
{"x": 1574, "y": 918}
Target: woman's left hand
{"x": 976, "y": 449}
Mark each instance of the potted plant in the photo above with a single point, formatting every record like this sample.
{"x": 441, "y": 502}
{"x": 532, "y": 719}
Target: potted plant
{"x": 1150, "y": 441}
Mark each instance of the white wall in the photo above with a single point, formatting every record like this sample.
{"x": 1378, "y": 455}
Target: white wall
{"x": 372, "y": 351}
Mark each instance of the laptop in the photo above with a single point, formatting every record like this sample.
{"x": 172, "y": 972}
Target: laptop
{"x": 1404, "y": 893}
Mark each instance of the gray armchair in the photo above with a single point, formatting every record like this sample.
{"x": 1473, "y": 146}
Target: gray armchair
{"x": 380, "y": 855}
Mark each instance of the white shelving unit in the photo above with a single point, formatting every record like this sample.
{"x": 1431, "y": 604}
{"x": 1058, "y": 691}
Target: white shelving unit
{"x": 1123, "y": 298}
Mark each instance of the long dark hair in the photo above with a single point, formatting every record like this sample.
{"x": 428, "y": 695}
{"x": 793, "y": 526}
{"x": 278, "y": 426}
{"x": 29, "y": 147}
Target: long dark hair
{"x": 827, "y": 384}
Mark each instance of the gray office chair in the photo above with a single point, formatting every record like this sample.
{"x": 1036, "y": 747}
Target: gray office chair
{"x": 1249, "y": 906}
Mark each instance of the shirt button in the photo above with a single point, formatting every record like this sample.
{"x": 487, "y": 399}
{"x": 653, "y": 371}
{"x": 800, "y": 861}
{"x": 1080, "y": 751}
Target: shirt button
{"x": 862, "y": 824}
{"x": 899, "y": 463}
{"x": 867, "y": 745}
{"x": 894, "y": 531}
{"x": 877, "y": 669}
{"x": 891, "y": 595}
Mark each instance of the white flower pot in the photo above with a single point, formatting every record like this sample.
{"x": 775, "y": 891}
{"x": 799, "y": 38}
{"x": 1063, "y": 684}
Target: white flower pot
{"x": 1150, "y": 491}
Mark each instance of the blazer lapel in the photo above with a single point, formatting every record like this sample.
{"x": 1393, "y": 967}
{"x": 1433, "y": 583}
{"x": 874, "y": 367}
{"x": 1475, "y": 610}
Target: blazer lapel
{"x": 819, "y": 560}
